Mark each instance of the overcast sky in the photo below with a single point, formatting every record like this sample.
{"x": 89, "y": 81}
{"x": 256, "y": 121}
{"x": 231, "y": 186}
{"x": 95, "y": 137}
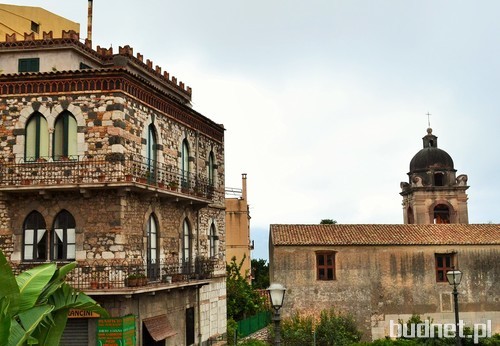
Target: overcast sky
{"x": 325, "y": 102}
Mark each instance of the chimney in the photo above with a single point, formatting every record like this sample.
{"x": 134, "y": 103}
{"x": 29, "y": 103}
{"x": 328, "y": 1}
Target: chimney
{"x": 244, "y": 186}
{"x": 89, "y": 22}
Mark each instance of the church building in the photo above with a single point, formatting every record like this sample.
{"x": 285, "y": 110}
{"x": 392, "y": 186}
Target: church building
{"x": 383, "y": 273}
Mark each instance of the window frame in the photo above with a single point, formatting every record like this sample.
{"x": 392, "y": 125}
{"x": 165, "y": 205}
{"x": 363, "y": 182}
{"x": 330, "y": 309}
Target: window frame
{"x": 68, "y": 137}
{"x": 211, "y": 169}
{"x": 441, "y": 270}
{"x": 28, "y": 65}
{"x": 186, "y": 245}
{"x": 213, "y": 241}
{"x": 41, "y": 134}
{"x": 185, "y": 163}
{"x": 153, "y": 253}
{"x": 38, "y": 226}
{"x": 68, "y": 226}
{"x": 319, "y": 267}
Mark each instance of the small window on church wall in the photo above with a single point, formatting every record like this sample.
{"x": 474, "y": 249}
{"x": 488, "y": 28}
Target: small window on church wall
{"x": 439, "y": 179}
{"x": 325, "y": 266}
{"x": 411, "y": 218}
{"x": 444, "y": 263}
{"x": 441, "y": 214}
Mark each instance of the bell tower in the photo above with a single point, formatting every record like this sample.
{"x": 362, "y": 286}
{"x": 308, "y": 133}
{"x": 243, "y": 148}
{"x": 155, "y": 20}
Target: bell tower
{"x": 434, "y": 194}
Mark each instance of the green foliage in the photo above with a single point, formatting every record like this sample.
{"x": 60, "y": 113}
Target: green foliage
{"x": 328, "y": 222}
{"x": 336, "y": 329}
{"x": 331, "y": 328}
{"x": 242, "y": 299}
{"x": 34, "y": 305}
{"x": 298, "y": 329}
{"x": 260, "y": 270}
{"x": 232, "y": 328}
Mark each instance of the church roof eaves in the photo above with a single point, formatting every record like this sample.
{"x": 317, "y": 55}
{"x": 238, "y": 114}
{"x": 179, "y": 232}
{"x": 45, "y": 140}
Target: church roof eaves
{"x": 384, "y": 234}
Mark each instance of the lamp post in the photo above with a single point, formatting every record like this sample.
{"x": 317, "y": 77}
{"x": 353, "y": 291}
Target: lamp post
{"x": 277, "y": 295}
{"x": 454, "y": 277}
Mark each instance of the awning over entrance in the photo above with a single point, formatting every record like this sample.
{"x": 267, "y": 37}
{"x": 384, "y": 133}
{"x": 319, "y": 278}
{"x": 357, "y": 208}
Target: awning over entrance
{"x": 159, "y": 327}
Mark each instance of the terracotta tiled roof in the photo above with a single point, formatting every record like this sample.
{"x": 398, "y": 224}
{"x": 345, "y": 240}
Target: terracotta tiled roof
{"x": 378, "y": 234}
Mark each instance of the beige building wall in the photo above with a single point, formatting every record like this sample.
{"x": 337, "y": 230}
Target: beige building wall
{"x": 238, "y": 229}
{"x": 377, "y": 284}
{"x": 27, "y": 19}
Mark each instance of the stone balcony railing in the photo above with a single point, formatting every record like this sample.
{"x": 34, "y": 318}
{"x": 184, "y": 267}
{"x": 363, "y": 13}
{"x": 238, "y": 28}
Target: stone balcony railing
{"x": 134, "y": 274}
{"x": 95, "y": 170}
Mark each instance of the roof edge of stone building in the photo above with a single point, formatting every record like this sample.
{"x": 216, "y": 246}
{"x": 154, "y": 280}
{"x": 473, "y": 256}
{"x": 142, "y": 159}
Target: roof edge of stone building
{"x": 384, "y": 234}
{"x": 104, "y": 56}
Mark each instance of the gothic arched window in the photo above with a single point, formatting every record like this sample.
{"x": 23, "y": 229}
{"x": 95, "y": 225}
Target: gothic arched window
{"x": 35, "y": 238}
{"x": 65, "y": 137}
{"x": 64, "y": 237}
{"x": 37, "y": 138}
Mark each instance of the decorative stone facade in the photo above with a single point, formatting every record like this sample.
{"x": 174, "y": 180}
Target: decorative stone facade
{"x": 143, "y": 181}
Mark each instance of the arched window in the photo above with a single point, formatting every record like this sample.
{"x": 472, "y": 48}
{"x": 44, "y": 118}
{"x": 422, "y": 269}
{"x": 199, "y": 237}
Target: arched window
{"x": 438, "y": 179}
{"x": 410, "y": 216}
{"x": 37, "y": 138}
{"x": 64, "y": 237}
{"x": 152, "y": 250}
{"x": 211, "y": 169}
{"x": 152, "y": 152}
{"x": 213, "y": 240}
{"x": 186, "y": 245}
{"x": 65, "y": 137}
{"x": 35, "y": 238}
{"x": 185, "y": 163}
{"x": 441, "y": 214}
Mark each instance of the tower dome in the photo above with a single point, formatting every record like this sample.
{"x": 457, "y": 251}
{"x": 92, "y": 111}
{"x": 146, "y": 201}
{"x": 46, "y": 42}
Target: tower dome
{"x": 434, "y": 194}
{"x": 431, "y": 157}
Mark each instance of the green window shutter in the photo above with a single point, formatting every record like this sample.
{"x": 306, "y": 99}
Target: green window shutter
{"x": 29, "y": 65}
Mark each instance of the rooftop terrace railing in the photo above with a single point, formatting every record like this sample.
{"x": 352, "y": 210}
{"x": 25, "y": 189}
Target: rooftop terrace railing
{"x": 107, "y": 169}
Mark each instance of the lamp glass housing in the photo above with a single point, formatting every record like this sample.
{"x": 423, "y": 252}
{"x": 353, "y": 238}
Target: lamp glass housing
{"x": 454, "y": 277}
{"x": 277, "y": 295}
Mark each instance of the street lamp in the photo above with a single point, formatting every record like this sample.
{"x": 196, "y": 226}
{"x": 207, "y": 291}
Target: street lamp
{"x": 454, "y": 277}
{"x": 277, "y": 295}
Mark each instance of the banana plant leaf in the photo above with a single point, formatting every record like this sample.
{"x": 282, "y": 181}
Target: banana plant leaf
{"x": 27, "y": 322}
{"x": 56, "y": 281}
{"x": 31, "y": 284}
{"x": 68, "y": 297}
{"x": 8, "y": 286}
{"x": 64, "y": 299}
{"x": 4, "y": 320}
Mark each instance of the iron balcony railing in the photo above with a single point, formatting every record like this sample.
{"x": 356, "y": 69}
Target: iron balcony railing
{"x": 132, "y": 273}
{"x": 95, "y": 169}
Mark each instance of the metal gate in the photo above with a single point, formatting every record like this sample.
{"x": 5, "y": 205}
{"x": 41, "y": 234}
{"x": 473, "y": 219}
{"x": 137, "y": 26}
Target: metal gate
{"x": 76, "y": 332}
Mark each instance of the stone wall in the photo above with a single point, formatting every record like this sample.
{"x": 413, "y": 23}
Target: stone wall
{"x": 375, "y": 281}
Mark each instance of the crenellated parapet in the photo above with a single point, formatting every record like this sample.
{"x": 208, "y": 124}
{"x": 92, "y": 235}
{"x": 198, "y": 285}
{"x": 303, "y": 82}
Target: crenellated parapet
{"x": 103, "y": 55}
{"x": 157, "y": 70}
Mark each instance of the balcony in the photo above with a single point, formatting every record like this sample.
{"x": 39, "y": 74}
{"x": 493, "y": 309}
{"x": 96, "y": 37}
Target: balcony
{"x": 96, "y": 171}
{"x": 131, "y": 276}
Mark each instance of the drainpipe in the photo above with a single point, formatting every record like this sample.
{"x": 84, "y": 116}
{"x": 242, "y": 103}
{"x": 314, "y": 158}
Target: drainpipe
{"x": 198, "y": 298}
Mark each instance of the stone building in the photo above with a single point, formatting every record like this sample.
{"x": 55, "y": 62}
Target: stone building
{"x": 384, "y": 273}
{"x": 238, "y": 226}
{"x": 103, "y": 161}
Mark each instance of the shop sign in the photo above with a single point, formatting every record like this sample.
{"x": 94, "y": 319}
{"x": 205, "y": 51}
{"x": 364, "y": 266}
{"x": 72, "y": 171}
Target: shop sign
{"x": 119, "y": 331}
